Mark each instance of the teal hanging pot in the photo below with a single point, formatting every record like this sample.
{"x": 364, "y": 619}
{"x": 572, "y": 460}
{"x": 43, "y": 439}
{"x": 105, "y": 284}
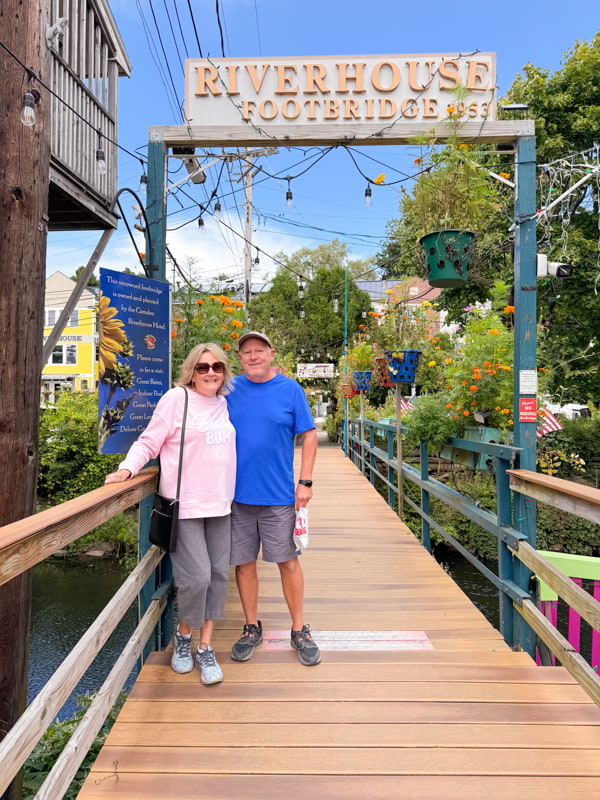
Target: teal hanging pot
{"x": 448, "y": 254}
{"x": 402, "y": 365}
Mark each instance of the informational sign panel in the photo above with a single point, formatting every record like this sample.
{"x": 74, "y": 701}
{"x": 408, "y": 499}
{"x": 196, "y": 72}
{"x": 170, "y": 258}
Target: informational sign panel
{"x": 314, "y": 371}
{"x": 134, "y": 359}
{"x": 345, "y": 92}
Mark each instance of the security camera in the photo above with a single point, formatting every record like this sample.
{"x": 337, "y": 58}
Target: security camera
{"x": 556, "y": 268}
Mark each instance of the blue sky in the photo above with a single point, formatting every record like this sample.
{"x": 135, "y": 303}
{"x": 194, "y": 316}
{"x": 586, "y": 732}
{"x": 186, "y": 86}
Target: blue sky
{"x": 329, "y": 198}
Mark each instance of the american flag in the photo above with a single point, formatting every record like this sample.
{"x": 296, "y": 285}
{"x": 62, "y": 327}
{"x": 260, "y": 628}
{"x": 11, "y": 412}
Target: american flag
{"x": 547, "y": 423}
{"x": 405, "y": 405}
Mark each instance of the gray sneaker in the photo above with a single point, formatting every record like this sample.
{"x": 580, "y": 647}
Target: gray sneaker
{"x": 182, "y": 660}
{"x": 308, "y": 652}
{"x": 210, "y": 671}
{"x": 243, "y": 649}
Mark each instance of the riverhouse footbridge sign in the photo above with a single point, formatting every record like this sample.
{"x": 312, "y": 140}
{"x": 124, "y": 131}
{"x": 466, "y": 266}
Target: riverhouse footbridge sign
{"x": 359, "y": 99}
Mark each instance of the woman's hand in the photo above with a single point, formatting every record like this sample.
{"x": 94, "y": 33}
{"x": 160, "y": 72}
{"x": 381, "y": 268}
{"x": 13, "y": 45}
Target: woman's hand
{"x": 118, "y": 476}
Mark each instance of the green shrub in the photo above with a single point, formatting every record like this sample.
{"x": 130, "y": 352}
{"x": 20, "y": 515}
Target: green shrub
{"x": 51, "y": 745}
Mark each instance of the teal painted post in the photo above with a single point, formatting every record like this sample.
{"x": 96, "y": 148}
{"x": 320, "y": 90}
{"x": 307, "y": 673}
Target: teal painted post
{"x": 371, "y": 453}
{"x": 156, "y": 256}
{"x": 391, "y": 472}
{"x": 345, "y": 354}
{"x": 525, "y": 377}
{"x": 505, "y": 557}
{"x": 424, "y": 464}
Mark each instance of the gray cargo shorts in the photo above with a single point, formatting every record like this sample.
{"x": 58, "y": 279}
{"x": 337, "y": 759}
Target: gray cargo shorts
{"x": 271, "y": 526}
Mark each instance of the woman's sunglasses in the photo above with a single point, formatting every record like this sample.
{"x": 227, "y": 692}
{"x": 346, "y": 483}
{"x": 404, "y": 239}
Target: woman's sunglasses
{"x": 218, "y": 367}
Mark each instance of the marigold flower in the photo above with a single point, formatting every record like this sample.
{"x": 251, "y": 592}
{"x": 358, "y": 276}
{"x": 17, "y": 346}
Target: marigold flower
{"x": 173, "y": 334}
{"x": 509, "y": 309}
{"x": 226, "y": 346}
{"x": 229, "y": 310}
{"x": 178, "y": 319}
{"x": 474, "y": 403}
{"x": 466, "y": 413}
{"x": 236, "y": 323}
{"x": 486, "y": 364}
{"x": 238, "y": 303}
{"x": 200, "y": 302}
{"x": 431, "y": 363}
{"x": 463, "y": 383}
{"x": 388, "y": 291}
{"x": 473, "y": 389}
{"x": 418, "y": 161}
{"x": 449, "y": 405}
{"x": 497, "y": 408}
{"x": 213, "y": 296}
{"x": 505, "y": 175}
{"x": 450, "y": 109}
{"x": 449, "y": 386}
{"x": 510, "y": 422}
{"x": 447, "y": 361}
{"x": 494, "y": 332}
{"x": 543, "y": 369}
{"x": 505, "y": 411}
{"x": 234, "y": 335}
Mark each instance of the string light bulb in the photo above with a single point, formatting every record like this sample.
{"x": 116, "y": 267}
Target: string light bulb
{"x": 336, "y": 303}
{"x": 302, "y": 312}
{"x": 100, "y": 157}
{"x": 289, "y": 197}
{"x": 368, "y": 195}
{"x": 218, "y": 208}
{"x": 201, "y": 226}
{"x": 301, "y": 291}
{"x": 28, "y": 109}
{"x": 143, "y": 187}
{"x": 257, "y": 259}
{"x": 363, "y": 313}
{"x": 272, "y": 318}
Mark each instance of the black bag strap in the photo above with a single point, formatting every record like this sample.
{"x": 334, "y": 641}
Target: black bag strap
{"x": 185, "y": 407}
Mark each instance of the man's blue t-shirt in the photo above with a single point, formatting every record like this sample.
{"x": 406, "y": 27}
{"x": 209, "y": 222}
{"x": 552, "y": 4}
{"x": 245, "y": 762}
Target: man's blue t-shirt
{"x": 267, "y": 416}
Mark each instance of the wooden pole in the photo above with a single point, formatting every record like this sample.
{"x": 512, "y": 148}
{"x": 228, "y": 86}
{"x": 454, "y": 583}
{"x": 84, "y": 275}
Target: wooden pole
{"x": 25, "y": 169}
{"x": 399, "y": 450}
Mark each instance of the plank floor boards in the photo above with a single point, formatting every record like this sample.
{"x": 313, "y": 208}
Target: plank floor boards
{"x": 466, "y": 720}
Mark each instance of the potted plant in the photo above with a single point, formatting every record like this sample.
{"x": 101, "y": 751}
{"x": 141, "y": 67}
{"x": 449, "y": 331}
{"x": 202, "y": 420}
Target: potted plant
{"x": 453, "y": 197}
{"x": 360, "y": 361}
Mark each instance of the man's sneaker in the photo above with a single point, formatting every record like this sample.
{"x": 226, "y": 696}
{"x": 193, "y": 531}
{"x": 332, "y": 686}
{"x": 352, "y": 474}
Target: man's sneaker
{"x": 210, "y": 671}
{"x": 308, "y": 652}
{"x": 182, "y": 660}
{"x": 243, "y": 649}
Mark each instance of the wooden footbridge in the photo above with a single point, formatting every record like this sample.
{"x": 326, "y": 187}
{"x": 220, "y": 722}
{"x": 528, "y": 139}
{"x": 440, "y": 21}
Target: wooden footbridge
{"x": 417, "y": 695}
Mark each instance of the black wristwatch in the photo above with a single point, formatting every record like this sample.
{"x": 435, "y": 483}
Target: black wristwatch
{"x": 305, "y": 482}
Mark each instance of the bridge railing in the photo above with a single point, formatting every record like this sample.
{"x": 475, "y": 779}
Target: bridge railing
{"x": 372, "y": 447}
{"x": 27, "y": 542}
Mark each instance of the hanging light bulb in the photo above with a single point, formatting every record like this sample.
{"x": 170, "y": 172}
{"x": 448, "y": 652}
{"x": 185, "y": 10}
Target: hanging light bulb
{"x": 143, "y": 185}
{"x": 302, "y": 312}
{"x": 257, "y": 259}
{"x": 368, "y": 194}
{"x": 272, "y": 318}
{"x": 301, "y": 290}
{"x": 28, "y": 109}
{"x": 289, "y": 197}
{"x": 218, "y": 208}
{"x": 201, "y": 225}
{"x": 336, "y": 303}
{"x": 100, "y": 157}
{"x": 363, "y": 313}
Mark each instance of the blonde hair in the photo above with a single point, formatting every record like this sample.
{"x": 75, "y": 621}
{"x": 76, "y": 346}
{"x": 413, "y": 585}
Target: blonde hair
{"x": 186, "y": 371}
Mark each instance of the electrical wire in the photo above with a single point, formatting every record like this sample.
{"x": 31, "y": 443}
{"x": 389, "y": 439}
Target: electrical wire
{"x": 195, "y": 28}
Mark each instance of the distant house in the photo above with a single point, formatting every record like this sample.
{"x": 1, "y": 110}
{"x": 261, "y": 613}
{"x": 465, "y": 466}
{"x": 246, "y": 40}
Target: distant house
{"x": 73, "y": 363}
{"x": 88, "y": 57}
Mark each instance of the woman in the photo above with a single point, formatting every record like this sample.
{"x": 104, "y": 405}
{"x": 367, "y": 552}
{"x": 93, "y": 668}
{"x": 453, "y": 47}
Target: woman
{"x": 201, "y": 561}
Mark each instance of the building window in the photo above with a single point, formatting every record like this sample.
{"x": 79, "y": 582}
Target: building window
{"x": 64, "y": 354}
{"x": 52, "y": 314}
{"x": 73, "y": 320}
{"x": 84, "y": 385}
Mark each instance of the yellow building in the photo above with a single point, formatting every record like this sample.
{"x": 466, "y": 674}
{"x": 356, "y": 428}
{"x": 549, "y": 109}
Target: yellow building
{"x": 73, "y": 364}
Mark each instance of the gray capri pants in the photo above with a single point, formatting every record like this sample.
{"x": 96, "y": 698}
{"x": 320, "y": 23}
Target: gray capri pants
{"x": 201, "y": 568}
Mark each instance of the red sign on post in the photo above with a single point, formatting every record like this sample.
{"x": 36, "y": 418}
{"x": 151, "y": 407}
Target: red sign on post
{"x": 527, "y": 409}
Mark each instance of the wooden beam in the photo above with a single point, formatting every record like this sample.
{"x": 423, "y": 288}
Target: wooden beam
{"x": 25, "y": 543}
{"x": 573, "y": 661}
{"x": 492, "y": 131}
{"x": 577, "y": 598}
{"x": 575, "y": 498}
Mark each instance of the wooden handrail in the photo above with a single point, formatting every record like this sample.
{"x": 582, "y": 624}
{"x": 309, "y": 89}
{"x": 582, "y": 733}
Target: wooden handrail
{"x": 575, "y": 498}
{"x": 23, "y": 736}
{"x": 26, "y": 542}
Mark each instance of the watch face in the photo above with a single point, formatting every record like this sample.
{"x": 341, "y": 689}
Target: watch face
{"x": 305, "y": 483}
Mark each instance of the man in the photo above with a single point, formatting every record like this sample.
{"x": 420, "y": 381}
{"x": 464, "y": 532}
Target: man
{"x": 268, "y": 411}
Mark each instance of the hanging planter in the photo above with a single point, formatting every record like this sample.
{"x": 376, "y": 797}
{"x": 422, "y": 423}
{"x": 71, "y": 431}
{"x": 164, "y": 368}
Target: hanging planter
{"x": 448, "y": 255}
{"x": 383, "y": 371}
{"x": 402, "y": 365}
{"x": 362, "y": 379}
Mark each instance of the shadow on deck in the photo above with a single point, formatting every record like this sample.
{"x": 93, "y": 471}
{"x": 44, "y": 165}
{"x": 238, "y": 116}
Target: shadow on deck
{"x": 428, "y": 702}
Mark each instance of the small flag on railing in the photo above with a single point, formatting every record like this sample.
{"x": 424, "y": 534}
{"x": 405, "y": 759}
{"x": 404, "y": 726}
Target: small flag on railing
{"x": 547, "y": 423}
{"x": 405, "y": 405}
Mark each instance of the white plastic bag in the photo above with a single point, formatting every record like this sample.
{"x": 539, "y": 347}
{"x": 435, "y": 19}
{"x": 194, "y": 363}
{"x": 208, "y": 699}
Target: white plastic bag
{"x": 301, "y": 528}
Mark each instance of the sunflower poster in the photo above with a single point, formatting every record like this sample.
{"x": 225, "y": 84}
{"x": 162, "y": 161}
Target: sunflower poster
{"x": 134, "y": 358}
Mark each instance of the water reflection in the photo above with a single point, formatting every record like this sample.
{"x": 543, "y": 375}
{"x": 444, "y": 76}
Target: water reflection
{"x": 479, "y": 590}
{"x": 66, "y": 599}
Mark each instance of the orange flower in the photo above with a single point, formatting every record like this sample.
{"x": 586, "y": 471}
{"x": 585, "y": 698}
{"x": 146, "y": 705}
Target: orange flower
{"x": 173, "y": 334}
{"x": 509, "y": 309}
{"x": 226, "y": 346}
{"x": 200, "y": 302}
{"x": 543, "y": 369}
{"x": 449, "y": 386}
{"x": 505, "y": 411}
{"x": 213, "y": 297}
{"x": 473, "y": 389}
{"x": 450, "y": 109}
{"x": 448, "y": 405}
{"x": 494, "y": 332}
{"x": 234, "y": 335}
{"x": 236, "y": 323}
{"x": 178, "y": 319}
{"x": 510, "y": 422}
{"x": 418, "y": 161}
{"x": 486, "y": 364}
{"x": 238, "y": 304}
{"x": 228, "y": 310}
{"x": 466, "y": 413}
{"x": 463, "y": 383}
{"x": 473, "y": 403}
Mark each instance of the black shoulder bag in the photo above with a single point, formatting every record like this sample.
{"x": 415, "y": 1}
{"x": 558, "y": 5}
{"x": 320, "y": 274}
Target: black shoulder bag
{"x": 165, "y": 510}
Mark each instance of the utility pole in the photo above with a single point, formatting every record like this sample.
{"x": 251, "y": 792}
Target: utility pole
{"x": 25, "y": 169}
{"x": 248, "y": 176}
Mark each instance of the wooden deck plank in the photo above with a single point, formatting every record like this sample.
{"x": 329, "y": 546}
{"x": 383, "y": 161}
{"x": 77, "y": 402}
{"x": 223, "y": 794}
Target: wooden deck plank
{"x": 467, "y": 720}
